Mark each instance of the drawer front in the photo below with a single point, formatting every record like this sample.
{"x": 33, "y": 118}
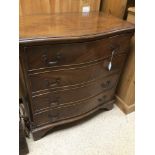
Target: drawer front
{"x": 67, "y": 77}
{"x": 75, "y": 53}
{"x": 72, "y": 110}
{"x": 61, "y": 97}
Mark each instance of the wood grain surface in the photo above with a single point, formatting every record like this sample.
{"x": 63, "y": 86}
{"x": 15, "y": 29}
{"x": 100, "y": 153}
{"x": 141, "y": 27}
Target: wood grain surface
{"x": 43, "y": 27}
{"x": 103, "y": 46}
{"x": 72, "y": 110}
{"x": 59, "y": 97}
{"x": 32, "y": 7}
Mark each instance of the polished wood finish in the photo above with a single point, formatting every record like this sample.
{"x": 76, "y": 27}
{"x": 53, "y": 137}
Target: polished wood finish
{"x": 58, "y": 97}
{"x": 43, "y": 28}
{"x": 70, "y": 76}
{"x": 72, "y": 110}
{"x": 89, "y": 60}
{"x": 33, "y": 7}
{"x": 42, "y": 130}
{"x": 126, "y": 88}
{"x": 62, "y": 54}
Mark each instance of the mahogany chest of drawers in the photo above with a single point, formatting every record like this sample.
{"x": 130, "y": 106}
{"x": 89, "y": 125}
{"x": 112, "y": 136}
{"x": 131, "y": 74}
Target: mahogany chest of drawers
{"x": 71, "y": 64}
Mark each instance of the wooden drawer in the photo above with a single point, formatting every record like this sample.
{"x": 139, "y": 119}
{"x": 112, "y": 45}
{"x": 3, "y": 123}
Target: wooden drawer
{"x": 61, "y": 97}
{"x": 72, "y": 110}
{"x": 48, "y": 56}
{"x": 73, "y": 76}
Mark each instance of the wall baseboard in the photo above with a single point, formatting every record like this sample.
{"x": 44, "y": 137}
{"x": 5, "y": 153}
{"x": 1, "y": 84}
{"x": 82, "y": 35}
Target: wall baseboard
{"x": 123, "y": 106}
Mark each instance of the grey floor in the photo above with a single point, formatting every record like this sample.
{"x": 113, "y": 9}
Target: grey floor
{"x": 108, "y": 133}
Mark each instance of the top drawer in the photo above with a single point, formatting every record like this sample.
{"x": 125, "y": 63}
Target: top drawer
{"x": 48, "y": 56}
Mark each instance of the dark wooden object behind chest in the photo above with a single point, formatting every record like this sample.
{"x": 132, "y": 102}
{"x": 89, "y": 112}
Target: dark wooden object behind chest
{"x": 71, "y": 64}
{"x": 23, "y": 147}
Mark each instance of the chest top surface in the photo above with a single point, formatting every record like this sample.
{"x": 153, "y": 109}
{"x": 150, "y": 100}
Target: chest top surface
{"x": 69, "y": 26}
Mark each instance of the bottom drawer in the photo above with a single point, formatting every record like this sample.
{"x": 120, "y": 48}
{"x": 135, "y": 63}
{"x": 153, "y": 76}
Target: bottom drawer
{"x": 57, "y": 98}
{"x": 72, "y": 110}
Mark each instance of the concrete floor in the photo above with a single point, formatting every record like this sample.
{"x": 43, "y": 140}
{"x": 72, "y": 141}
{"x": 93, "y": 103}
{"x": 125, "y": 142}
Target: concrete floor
{"x": 108, "y": 133}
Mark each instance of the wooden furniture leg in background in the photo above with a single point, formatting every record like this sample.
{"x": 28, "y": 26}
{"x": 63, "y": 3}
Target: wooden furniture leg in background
{"x": 114, "y": 7}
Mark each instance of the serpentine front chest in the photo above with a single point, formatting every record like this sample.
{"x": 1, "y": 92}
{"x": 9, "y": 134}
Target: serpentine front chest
{"x": 71, "y": 64}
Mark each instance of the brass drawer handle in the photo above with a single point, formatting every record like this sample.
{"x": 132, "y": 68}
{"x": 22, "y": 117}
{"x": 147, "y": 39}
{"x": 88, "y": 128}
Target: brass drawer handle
{"x": 44, "y": 58}
{"x": 52, "y": 62}
{"x": 102, "y": 99}
{"x": 53, "y": 102}
{"x": 58, "y": 57}
{"x": 55, "y": 83}
{"x": 105, "y": 85}
{"x": 55, "y": 61}
{"x": 53, "y": 117}
{"x": 52, "y": 83}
